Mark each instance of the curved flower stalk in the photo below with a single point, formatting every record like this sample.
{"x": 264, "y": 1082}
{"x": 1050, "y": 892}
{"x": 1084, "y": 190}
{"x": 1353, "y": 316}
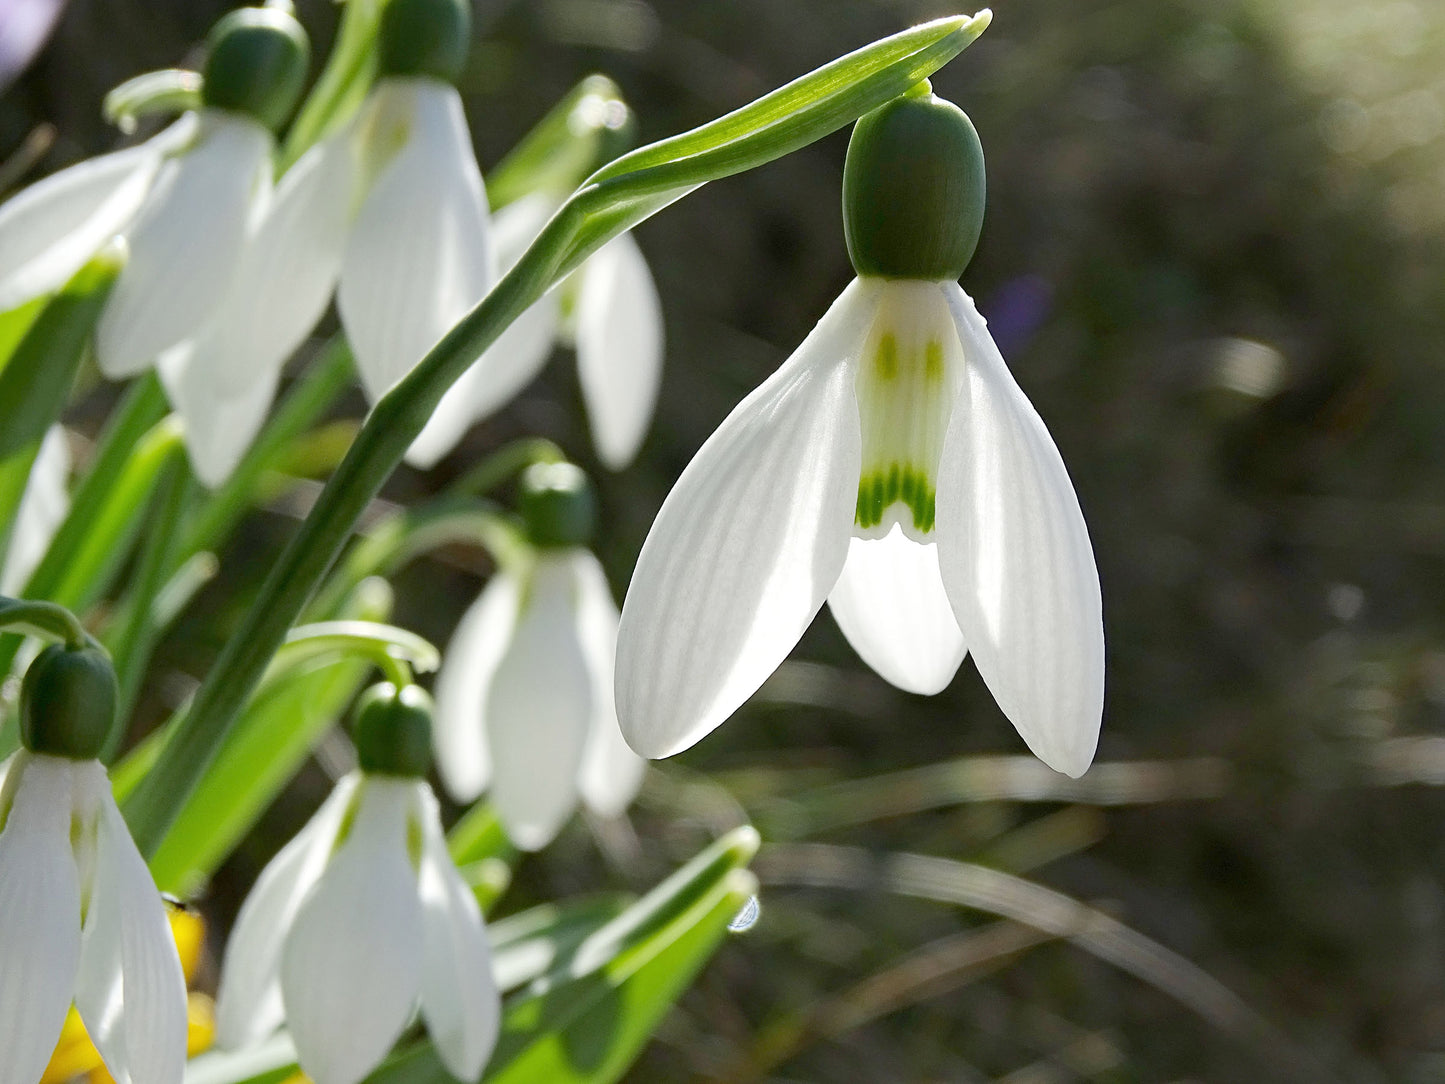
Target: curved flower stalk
{"x": 80, "y": 917}
{"x": 891, "y": 466}
{"x": 607, "y": 310}
{"x": 184, "y": 201}
{"x": 42, "y": 508}
{"x": 524, "y": 694}
{"x": 361, "y": 917}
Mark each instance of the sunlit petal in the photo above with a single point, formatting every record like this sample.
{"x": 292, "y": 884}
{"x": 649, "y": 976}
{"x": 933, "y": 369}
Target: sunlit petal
{"x": 459, "y": 997}
{"x": 611, "y": 772}
{"x": 285, "y": 274}
{"x": 218, "y": 427}
{"x": 42, "y": 508}
{"x": 248, "y": 1003}
{"x": 352, "y": 964}
{"x": 1016, "y": 560}
{"x": 40, "y": 905}
{"x": 185, "y": 243}
{"x": 130, "y": 991}
{"x": 747, "y": 545}
{"x": 418, "y": 257}
{"x": 468, "y": 665}
{"x": 891, "y": 605}
{"x": 538, "y": 710}
{"x": 53, "y": 227}
{"x": 619, "y": 348}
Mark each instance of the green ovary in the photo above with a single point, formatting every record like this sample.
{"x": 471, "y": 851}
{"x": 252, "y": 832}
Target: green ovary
{"x": 905, "y": 385}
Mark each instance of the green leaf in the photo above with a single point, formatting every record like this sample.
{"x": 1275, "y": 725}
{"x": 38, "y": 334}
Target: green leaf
{"x": 618, "y": 197}
{"x": 14, "y": 477}
{"x": 15, "y": 323}
{"x": 37, "y": 379}
{"x": 560, "y": 150}
{"x": 276, "y": 734}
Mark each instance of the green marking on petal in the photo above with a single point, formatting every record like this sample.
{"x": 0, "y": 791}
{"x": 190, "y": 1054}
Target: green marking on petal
{"x": 905, "y": 387}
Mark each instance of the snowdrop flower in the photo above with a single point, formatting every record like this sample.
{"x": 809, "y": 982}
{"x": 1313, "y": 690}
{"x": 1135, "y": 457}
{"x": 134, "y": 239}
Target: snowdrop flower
{"x": 80, "y": 916}
{"x": 607, "y": 309}
{"x": 184, "y": 200}
{"x": 43, "y": 506}
{"x": 891, "y": 466}
{"x": 524, "y": 696}
{"x": 362, "y": 916}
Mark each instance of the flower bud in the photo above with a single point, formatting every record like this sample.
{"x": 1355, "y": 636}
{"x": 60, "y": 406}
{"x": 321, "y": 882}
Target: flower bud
{"x": 913, "y": 189}
{"x": 558, "y": 505}
{"x": 257, "y": 64}
{"x": 67, "y": 702}
{"x": 393, "y": 730}
{"x": 424, "y": 37}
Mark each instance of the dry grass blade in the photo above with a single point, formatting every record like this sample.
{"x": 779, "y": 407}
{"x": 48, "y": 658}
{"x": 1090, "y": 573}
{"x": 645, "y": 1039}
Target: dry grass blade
{"x": 998, "y": 893}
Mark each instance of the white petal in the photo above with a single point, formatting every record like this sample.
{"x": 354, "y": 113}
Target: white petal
{"x": 219, "y": 427}
{"x": 185, "y": 243}
{"x": 418, "y": 257}
{"x": 285, "y": 274}
{"x": 891, "y": 605}
{"x": 53, "y": 227}
{"x": 459, "y": 996}
{"x": 747, "y": 545}
{"x": 248, "y": 1003}
{"x": 619, "y": 348}
{"x": 478, "y": 644}
{"x": 611, "y": 772}
{"x": 351, "y": 967}
{"x": 40, "y": 905}
{"x": 42, "y": 508}
{"x": 538, "y": 710}
{"x": 1016, "y": 558}
{"x": 130, "y": 991}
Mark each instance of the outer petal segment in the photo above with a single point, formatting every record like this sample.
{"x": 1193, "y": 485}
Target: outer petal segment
{"x": 1016, "y": 560}
{"x": 619, "y": 348}
{"x": 49, "y": 230}
{"x": 352, "y": 966}
{"x": 418, "y": 257}
{"x": 747, "y": 545}
{"x": 539, "y": 709}
{"x": 40, "y": 902}
{"x": 459, "y": 996}
{"x": 131, "y": 992}
{"x": 185, "y": 244}
{"x": 248, "y": 1003}
{"x": 891, "y": 605}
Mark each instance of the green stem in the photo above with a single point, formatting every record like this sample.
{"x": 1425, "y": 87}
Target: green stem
{"x": 617, "y": 198}
{"x": 507, "y": 461}
{"x": 407, "y": 535}
{"x": 44, "y": 619}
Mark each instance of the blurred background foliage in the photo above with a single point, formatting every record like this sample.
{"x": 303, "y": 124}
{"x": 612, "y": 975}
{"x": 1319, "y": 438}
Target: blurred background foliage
{"x": 1213, "y": 259}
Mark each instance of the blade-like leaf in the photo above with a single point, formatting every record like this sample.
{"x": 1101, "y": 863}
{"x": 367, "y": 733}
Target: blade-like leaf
{"x": 36, "y": 381}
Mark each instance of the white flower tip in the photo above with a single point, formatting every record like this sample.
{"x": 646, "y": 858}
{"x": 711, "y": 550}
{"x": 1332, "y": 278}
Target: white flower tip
{"x": 1071, "y": 759}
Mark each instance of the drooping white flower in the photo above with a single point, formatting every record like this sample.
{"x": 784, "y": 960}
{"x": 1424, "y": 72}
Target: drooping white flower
{"x": 357, "y": 920}
{"x": 524, "y": 699}
{"x": 608, "y": 309}
{"x": 42, "y": 508}
{"x": 80, "y": 918}
{"x": 891, "y": 466}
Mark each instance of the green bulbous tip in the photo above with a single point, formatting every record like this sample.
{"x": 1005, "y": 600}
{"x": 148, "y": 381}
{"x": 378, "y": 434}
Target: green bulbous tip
{"x": 913, "y": 189}
{"x": 424, "y": 37}
{"x": 67, "y": 702}
{"x": 558, "y": 505}
{"x": 257, "y": 64}
{"x": 393, "y": 730}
